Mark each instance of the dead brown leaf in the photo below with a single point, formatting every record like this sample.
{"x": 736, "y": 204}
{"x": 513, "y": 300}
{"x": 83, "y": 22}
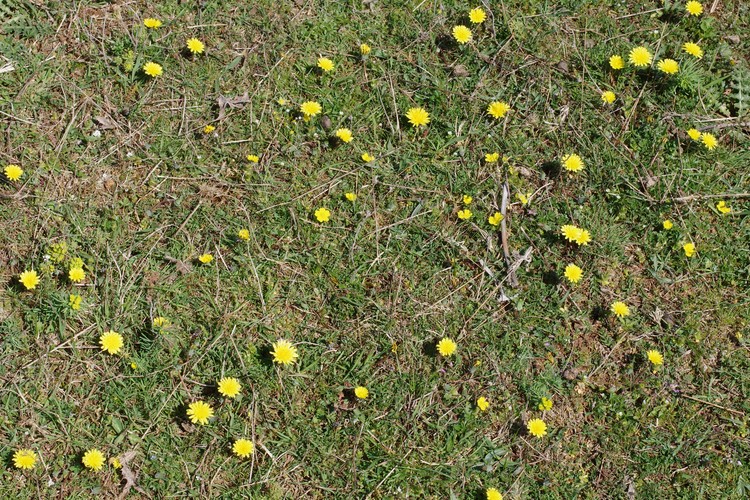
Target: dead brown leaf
{"x": 232, "y": 102}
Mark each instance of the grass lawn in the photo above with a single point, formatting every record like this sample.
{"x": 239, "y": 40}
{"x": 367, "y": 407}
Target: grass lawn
{"x": 175, "y": 231}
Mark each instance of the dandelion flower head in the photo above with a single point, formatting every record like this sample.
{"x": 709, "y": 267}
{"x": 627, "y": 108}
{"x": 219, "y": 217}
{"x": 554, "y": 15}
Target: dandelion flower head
{"x": 573, "y": 273}
{"x": 494, "y": 494}
{"x": 111, "y": 342}
{"x": 361, "y": 392}
{"x": 668, "y": 66}
{"x": 498, "y": 109}
{"x": 616, "y": 62}
{"x": 344, "y": 134}
{"x": 13, "y": 172}
{"x": 325, "y": 64}
{"x": 620, "y": 309}
{"x": 694, "y": 8}
{"x": 310, "y": 108}
{"x": 693, "y": 49}
{"x": 446, "y": 347}
{"x": 29, "y": 279}
{"x": 229, "y": 387}
{"x": 477, "y": 15}
{"x": 608, "y": 97}
{"x": 462, "y": 34}
{"x": 243, "y": 448}
{"x": 655, "y": 357}
{"x": 284, "y": 352}
{"x": 640, "y": 57}
{"x": 195, "y": 46}
{"x": 153, "y": 69}
{"x": 537, "y": 427}
{"x": 573, "y": 163}
{"x": 152, "y": 22}
{"x": 709, "y": 140}
{"x": 93, "y": 459}
{"x": 418, "y": 117}
{"x": 24, "y": 459}
{"x": 199, "y": 412}
{"x": 689, "y": 249}
{"x": 482, "y": 403}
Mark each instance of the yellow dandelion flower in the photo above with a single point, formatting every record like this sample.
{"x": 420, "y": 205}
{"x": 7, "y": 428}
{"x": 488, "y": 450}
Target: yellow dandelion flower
{"x": 206, "y": 258}
{"x": 24, "y": 459}
{"x": 325, "y": 64}
{"x": 243, "y": 234}
{"x": 573, "y": 163}
{"x": 573, "y": 273}
{"x": 667, "y": 224}
{"x": 344, "y": 134}
{"x": 284, "y": 352}
{"x": 545, "y": 404}
{"x": 668, "y": 66}
{"x": 537, "y": 427}
{"x": 115, "y": 462}
{"x": 498, "y": 109}
{"x": 364, "y": 49}
{"x": 160, "y": 323}
{"x": 93, "y": 459}
{"x": 467, "y": 199}
{"x": 570, "y": 232}
{"x": 361, "y": 392}
{"x": 655, "y": 357}
{"x": 323, "y": 214}
{"x": 495, "y": 219}
{"x": 76, "y": 274}
{"x": 482, "y": 403}
{"x": 229, "y": 387}
{"x": 418, "y": 117}
{"x": 199, "y": 412}
{"x": 153, "y": 69}
{"x": 208, "y": 129}
{"x": 243, "y": 448}
{"x": 608, "y": 97}
{"x": 523, "y": 198}
{"x": 694, "y": 8}
{"x": 310, "y": 108}
{"x": 464, "y": 214}
{"x": 74, "y": 301}
{"x": 709, "y": 140}
{"x": 477, "y": 15}
{"x": 29, "y": 279}
{"x": 111, "y": 342}
{"x": 462, "y": 34}
{"x": 723, "y": 207}
{"x": 13, "y": 172}
{"x": 493, "y": 494}
{"x": 640, "y": 57}
{"x": 195, "y": 46}
{"x": 583, "y": 238}
{"x": 350, "y": 196}
{"x": 689, "y": 249}
{"x": 446, "y": 347}
{"x": 491, "y": 157}
{"x": 367, "y": 157}
{"x": 693, "y": 49}
{"x": 620, "y": 309}
{"x": 616, "y": 62}
{"x": 152, "y": 22}
{"x": 694, "y": 134}
{"x": 253, "y": 158}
